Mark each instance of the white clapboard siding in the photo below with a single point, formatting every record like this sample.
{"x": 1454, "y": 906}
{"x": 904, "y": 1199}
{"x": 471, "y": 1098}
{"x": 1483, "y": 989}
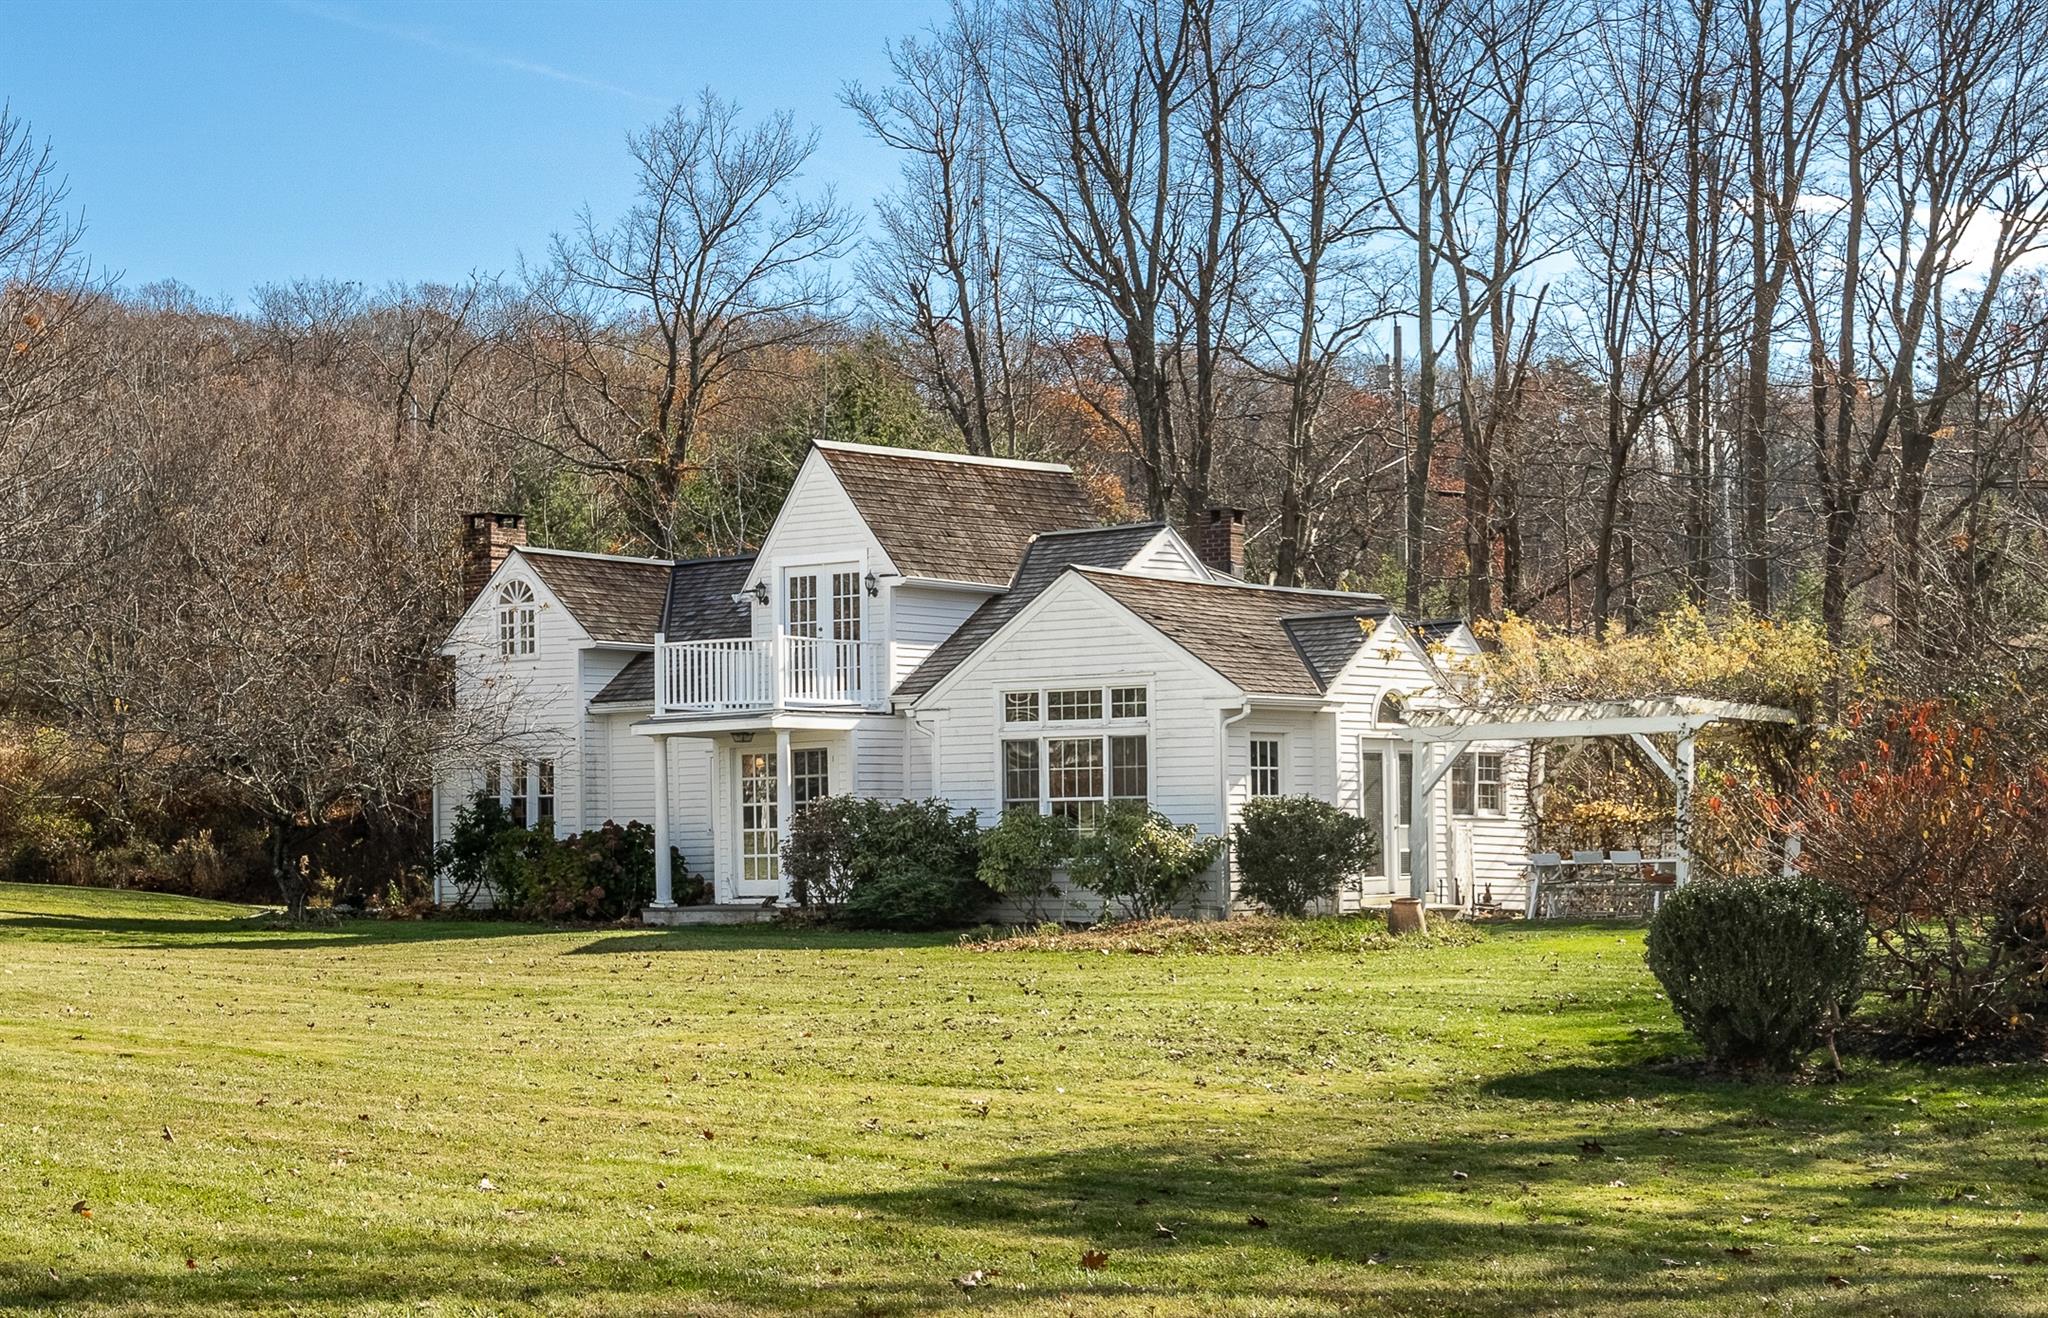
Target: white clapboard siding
{"x": 1074, "y": 635}
{"x": 818, "y": 524}
{"x": 921, "y": 618}
{"x": 1168, "y": 556}
{"x": 877, "y": 751}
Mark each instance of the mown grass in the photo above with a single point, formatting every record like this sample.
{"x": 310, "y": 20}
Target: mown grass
{"x": 755, "y": 1120}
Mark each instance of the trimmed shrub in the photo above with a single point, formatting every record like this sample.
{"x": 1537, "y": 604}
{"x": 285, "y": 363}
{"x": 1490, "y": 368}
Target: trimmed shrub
{"x": 603, "y": 873}
{"x": 1294, "y": 851}
{"x": 1141, "y": 862}
{"x": 885, "y": 865}
{"x": 906, "y": 895}
{"x": 1759, "y": 969}
{"x": 1021, "y": 855}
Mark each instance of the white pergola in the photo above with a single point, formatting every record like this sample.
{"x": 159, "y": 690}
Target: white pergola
{"x": 1440, "y": 735}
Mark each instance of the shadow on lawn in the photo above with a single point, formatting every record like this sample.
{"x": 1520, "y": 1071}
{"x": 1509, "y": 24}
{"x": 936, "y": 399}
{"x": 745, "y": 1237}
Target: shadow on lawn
{"x": 1469, "y": 1224}
{"x": 259, "y": 932}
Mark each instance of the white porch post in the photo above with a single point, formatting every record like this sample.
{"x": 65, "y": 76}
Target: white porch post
{"x": 1682, "y": 780}
{"x": 664, "y": 881}
{"x": 784, "y": 789}
{"x": 1419, "y": 823}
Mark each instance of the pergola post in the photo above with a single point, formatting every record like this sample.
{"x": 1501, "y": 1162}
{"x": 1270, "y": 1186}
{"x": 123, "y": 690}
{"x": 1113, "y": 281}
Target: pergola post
{"x": 1420, "y": 825}
{"x": 1682, "y": 781}
{"x": 664, "y": 881}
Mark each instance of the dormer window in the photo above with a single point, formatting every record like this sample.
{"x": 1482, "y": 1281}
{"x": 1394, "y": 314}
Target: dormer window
{"x": 517, "y": 634}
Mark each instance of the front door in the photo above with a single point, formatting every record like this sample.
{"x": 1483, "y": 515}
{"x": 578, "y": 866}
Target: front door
{"x": 760, "y": 826}
{"x": 810, "y": 778}
{"x": 823, "y": 621}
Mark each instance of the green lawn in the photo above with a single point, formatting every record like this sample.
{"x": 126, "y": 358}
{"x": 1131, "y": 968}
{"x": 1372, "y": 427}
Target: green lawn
{"x": 454, "y": 1118}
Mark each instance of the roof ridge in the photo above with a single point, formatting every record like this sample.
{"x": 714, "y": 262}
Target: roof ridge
{"x": 1097, "y": 530}
{"x": 1233, "y": 583}
{"x": 940, "y": 455}
{"x": 715, "y": 558}
{"x": 584, "y": 553}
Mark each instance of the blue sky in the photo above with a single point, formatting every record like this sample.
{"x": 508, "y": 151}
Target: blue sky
{"x": 232, "y": 144}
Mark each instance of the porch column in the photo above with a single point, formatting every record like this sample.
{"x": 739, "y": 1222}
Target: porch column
{"x": 784, "y": 789}
{"x": 1681, "y": 821}
{"x": 664, "y": 882}
{"x": 1420, "y": 824}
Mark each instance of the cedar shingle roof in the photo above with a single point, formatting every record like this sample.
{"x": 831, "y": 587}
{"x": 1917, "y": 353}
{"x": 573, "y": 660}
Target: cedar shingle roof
{"x": 961, "y": 519}
{"x": 614, "y": 599}
{"x": 699, "y": 608}
{"x": 1243, "y": 631}
{"x": 1047, "y": 557}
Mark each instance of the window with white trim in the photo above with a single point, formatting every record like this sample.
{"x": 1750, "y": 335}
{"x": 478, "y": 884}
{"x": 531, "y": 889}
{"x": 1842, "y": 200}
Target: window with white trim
{"x": 1265, "y": 766}
{"x": 543, "y": 789}
{"x": 1020, "y": 775}
{"x": 1072, "y": 771}
{"x": 810, "y": 777}
{"x": 1479, "y": 784}
{"x": 518, "y": 631}
{"x": 1077, "y": 706}
{"x": 1490, "y": 781}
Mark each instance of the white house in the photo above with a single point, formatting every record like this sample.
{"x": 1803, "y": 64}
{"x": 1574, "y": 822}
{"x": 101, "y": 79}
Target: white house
{"x": 930, "y": 624}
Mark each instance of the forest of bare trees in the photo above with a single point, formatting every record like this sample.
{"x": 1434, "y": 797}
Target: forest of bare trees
{"x": 1537, "y": 307}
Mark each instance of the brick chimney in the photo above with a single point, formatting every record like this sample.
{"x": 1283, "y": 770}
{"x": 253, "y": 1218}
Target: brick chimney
{"x": 486, "y": 539}
{"x": 1219, "y": 541}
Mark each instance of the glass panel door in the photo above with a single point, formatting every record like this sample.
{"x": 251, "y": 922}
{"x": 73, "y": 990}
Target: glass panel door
{"x": 760, "y": 826}
{"x": 1372, "y": 807}
{"x": 846, "y": 637}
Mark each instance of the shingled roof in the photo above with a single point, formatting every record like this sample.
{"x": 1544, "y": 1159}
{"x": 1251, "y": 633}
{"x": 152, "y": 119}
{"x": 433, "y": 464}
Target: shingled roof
{"x": 617, "y": 600}
{"x": 954, "y": 517}
{"x": 1047, "y": 557}
{"x": 1252, "y": 635}
{"x": 699, "y": 607}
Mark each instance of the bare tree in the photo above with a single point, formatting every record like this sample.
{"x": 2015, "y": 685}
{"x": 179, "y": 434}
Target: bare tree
{"x": 644, "y": 327}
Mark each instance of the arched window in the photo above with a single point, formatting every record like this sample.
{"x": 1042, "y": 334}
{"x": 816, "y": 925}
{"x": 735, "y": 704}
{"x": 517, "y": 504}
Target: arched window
{"x": 516, "y": 633}
{"x": 1393, "y": 708}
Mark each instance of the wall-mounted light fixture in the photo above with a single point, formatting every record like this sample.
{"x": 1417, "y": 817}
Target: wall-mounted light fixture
{"x": 874, "y": 584}
{"x": 760, "y": 592}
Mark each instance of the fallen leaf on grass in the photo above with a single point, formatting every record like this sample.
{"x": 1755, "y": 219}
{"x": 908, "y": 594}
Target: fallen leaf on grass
{"x": 971, "y": 1280}
{"x": 191, "y": 1265}
{"x": 1163, "y": 1231}
{"x": 1094, "y": 1260}
{"x": 1256, "y": 1221}
{"x": 80, "y": 1209}
{"x": 1591, "y": 1148}
{"x": 484, "y": 1184}
{"x": 167, "y": 1135}
{"x": 1838, "y": 1282}
{"x": 1741, "y": 1251}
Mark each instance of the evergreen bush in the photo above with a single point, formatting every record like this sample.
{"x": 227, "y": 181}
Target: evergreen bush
{"x": 1294, "y": 851}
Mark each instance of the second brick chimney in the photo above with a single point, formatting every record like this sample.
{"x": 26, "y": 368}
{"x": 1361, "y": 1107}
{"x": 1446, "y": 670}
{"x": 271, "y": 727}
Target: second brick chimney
{"x": 1219, "y": 540}
{"x": 486, "y": 539}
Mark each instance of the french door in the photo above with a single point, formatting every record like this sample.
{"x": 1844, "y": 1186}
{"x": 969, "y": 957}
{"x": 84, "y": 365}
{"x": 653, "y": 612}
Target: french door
{"x": 810, "y": 778}
{"x": 823, "y": 621}
{"x": 760, "y": 825}
{"x": 1386, "y": 800}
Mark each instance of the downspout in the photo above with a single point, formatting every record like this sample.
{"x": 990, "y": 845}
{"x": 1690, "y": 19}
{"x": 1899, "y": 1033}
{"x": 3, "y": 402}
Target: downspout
{"x": 931, "y": 734}
{"x": 1223, "y": 724}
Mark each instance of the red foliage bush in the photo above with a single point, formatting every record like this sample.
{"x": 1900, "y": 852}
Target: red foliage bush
{"x": 1938, "y": 826}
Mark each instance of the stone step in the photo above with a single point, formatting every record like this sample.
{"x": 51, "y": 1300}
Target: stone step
{"x": 713, "y": 913}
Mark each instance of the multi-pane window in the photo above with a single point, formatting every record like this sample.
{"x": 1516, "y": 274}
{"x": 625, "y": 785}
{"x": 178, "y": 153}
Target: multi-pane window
{"x": 516, "y": 806}
{"x": 1084, "y": 705}
{"x": 1020, "y": 776}
{"x": 494, "y": 782}
{"x": 1461, "y": 786}
{"x": 803, "y": 605}
{"x": 760, "y": 835}
{"x": 1020, "y": 707}
{"x": 544, "y": 789}
{"x": 1265, "y": 766}
{"x": 1489, "y": 781}
{"x": 1074, "y": 779}
{"x": 1129, "y": 774}
{"x": 810, "y": 777}
{"x": 1127, "y": 702}
{"x": 517, "y": 631}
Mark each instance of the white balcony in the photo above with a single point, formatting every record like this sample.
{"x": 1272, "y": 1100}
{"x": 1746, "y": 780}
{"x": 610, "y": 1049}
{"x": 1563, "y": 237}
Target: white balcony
{"x": 786, "y": 672}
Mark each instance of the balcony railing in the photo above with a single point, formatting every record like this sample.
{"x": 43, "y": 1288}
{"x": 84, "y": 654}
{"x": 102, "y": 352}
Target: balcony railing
{"x": 785, "y": 672}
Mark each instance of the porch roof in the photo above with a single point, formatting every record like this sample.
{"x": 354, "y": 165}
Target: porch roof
{"x": 1643, "y": 716}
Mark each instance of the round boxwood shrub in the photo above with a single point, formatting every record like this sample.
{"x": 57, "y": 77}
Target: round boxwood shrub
{"x": 1294, "y": 851}
{"x": 1758, "y": 969}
